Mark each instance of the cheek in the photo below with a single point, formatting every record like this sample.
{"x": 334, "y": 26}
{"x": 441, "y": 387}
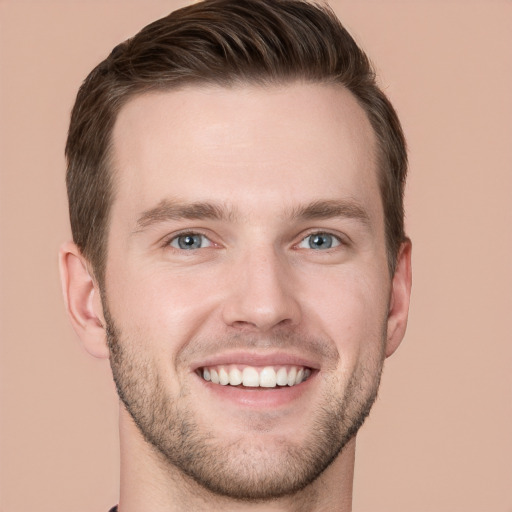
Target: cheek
{"x": 165, "y": 306}
{"x": 351, "y": 311}
{"x": 169, "y": 306}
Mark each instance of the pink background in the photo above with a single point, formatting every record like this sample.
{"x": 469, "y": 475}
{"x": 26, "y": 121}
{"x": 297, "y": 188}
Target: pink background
{"x": 440, "y": 436}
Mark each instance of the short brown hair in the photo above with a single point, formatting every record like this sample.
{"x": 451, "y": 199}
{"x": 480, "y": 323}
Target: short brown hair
{"x": 222, "y": 42}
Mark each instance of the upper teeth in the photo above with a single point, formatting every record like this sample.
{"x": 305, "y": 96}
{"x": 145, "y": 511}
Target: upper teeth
{"x": 250, "y": 376}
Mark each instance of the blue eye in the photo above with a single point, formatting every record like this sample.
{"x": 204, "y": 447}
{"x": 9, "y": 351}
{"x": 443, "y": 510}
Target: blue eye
{"x": 190, "y": 241}
{"x": 319, "y": 241}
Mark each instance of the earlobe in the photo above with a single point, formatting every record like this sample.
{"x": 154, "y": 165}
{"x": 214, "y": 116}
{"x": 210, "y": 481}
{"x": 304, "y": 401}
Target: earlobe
{"x": 400, "y": 298}
{"x": 83, "y": 301}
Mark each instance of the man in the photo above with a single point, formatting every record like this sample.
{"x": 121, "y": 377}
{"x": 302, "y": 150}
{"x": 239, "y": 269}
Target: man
{"x": 235, "y": 182}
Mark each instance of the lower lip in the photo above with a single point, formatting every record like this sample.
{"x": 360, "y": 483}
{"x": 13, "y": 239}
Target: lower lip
{"x": 259, "y": 397}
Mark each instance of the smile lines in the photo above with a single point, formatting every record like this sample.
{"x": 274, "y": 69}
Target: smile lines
{"x": 250, "y": 376}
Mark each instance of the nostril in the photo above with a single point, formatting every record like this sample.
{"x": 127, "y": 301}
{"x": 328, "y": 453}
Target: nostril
{"x": 262, "y": 324}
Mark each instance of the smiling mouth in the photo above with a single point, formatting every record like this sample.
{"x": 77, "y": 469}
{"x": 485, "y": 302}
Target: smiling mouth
{"x": 255, "y": 376}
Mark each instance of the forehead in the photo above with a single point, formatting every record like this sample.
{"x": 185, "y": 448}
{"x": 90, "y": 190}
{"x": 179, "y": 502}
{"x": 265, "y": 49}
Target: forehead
{"x": 247, "y": 145}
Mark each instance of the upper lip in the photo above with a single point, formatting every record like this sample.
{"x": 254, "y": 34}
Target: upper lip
{"x": 256, "y": 359}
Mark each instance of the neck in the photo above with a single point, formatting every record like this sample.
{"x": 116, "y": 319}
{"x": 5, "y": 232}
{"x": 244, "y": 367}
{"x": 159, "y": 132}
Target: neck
{"x": 149, "y": 483}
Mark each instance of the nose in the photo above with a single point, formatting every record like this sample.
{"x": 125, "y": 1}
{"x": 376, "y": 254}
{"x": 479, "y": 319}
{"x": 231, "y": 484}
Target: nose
{"x": 261, "y": 294}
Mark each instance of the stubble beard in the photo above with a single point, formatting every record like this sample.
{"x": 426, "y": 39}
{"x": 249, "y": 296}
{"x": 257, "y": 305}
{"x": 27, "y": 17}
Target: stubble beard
{"x": 240, "y": 470}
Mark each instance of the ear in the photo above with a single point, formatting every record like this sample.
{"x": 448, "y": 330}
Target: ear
{"x": 83, "y": 300}
{"x": 400, "y": 297}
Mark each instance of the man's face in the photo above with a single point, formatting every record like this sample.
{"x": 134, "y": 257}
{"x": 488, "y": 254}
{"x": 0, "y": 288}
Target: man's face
{"x": 247, "y": 288}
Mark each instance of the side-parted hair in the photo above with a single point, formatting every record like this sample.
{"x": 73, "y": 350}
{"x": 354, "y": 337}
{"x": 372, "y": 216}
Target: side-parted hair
{"x": 222, "y": 42}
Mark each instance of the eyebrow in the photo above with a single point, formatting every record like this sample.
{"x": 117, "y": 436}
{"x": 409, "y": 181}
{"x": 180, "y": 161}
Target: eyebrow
{"x": 346, "y": 208}
{"x": 174, "y": 210}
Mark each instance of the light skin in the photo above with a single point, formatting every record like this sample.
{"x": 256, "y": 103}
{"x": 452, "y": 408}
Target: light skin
{"x": 285, "y": 265}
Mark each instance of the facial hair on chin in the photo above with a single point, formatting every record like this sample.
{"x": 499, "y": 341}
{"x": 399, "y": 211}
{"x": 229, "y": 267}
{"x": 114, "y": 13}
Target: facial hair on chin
{"x": 238, "y": 470}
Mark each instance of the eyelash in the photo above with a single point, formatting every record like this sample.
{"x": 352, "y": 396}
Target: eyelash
{"x": 336, "y": 238}
{"x": 168, "y": 241}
